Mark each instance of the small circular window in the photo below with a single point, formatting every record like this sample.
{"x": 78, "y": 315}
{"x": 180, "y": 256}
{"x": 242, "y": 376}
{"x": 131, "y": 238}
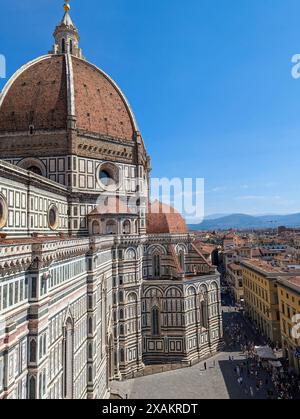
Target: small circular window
{"x": 3, "y": 211}
{"x": 53, "y": 217}
{"x": 108, "y": 176}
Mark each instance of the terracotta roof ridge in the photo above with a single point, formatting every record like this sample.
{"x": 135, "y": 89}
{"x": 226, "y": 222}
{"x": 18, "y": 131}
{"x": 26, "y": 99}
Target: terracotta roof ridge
{"x": 201, "y": 255}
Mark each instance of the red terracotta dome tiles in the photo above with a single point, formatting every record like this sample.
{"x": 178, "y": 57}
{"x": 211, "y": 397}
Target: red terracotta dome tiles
{"x": 36, "y": 97}
{"x": 99, "y": 106}
{"x": 163, "y": 219}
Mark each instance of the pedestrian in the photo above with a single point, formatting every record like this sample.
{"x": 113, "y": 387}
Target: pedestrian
{"x": 205, "y": 366}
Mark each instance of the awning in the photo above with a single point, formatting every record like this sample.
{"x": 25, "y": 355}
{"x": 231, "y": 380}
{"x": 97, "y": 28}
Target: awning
{"x": 265, "y": 352}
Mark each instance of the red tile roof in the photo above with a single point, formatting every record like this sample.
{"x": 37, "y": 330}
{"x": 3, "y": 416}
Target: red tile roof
{"x": 235, "y": 267}
{"x": 262, "y": 265}
{"x": 295, "y": 280}
{"x": 162, "y": 218}
{"x": 205, "y": 248}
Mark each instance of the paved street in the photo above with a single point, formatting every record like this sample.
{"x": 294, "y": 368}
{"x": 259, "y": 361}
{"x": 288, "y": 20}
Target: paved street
{"x": 219, "y": 381}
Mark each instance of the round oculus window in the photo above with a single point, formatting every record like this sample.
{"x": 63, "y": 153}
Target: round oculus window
{"x": 108, "y": 176}
{"x": 53, "y": 217}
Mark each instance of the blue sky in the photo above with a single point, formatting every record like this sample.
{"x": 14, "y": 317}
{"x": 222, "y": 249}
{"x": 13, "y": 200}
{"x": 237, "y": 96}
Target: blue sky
{"x": 209, "y": 81}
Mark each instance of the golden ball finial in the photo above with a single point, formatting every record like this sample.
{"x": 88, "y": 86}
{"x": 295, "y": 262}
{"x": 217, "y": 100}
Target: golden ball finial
{"x": 67, "y": 7}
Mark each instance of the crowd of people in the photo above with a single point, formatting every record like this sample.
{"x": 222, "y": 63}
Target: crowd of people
{"x": 258, "y": 378}
{"x": 286, "y": 383}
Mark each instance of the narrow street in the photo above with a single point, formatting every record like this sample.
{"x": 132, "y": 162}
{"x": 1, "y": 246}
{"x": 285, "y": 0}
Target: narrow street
{"x": 255, "y": 379}
{"x": 252, "y": 381}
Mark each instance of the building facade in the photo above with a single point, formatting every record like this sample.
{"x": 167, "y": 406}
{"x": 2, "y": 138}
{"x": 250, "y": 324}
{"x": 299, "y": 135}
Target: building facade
{"x": 289, "y": 305}
{"x": 95, "y": 281}
{"x": 260, "y": 280}
{"x": 234, "y": 278}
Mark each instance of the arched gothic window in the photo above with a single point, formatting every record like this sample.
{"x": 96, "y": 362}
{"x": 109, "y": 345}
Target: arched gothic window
{"x": 121, "y": 314}
{"x": 32, "y": 351}
{"x": 32, "y": 393}
{"x": 204, "y": 313}
{"x": 121, "y": 297}
{"x": 126, "y": 227}
{"x": 90, "y": 350}
{"x": 95, "y": 227}
{"x": 63, "y": 45}
{"x": 181, "y": 260}
{"x": 121, "y": 330}
{"x": 156, "y": 266}
{"x": 122, "y": 355}
{"x": 130, "y": 254}
{"x": 90, "y": 374}
{"x": 111, "y": 227}
{"x": 155, "y": 321}
{"x": 136, "y": 227}
{"x": 71, "y": 46}
{"x": 90, "y": 326}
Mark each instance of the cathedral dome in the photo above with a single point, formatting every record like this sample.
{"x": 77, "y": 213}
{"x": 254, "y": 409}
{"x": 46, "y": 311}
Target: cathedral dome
{"x": 49, "y": 91}
{"x": 163, "y": 219}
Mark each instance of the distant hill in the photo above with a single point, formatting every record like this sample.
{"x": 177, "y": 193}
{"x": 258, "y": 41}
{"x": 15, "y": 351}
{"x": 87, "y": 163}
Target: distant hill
{"x": 215, "y": 216}
{"x": 245, "y": 222}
